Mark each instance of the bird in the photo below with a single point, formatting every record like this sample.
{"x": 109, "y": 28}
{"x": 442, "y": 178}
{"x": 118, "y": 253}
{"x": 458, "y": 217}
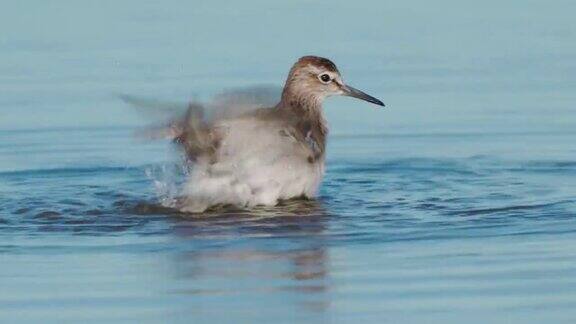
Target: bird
{"x": 245, "y": 151}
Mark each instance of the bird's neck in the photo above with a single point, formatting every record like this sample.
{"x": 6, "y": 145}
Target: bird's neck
{"x": 305, "y": 106}
{"x": 307, "y": 110}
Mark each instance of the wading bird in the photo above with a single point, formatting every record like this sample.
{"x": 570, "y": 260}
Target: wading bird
{"x": 244, "y": 154}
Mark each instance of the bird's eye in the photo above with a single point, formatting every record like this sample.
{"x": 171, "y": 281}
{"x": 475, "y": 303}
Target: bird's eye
{"x": 325, "y": 78}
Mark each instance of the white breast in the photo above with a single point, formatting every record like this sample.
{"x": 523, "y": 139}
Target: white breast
{"x": 256, "y": 164}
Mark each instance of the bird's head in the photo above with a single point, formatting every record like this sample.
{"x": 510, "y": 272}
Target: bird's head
{"x": 314, "y": 78}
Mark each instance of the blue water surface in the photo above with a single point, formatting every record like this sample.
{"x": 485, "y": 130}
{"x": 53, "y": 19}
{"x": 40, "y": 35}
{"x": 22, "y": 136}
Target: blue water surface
{"x": 456, "y": 203}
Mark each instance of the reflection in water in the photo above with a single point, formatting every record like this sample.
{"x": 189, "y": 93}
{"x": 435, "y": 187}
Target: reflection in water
{"x": 277, "y": 252}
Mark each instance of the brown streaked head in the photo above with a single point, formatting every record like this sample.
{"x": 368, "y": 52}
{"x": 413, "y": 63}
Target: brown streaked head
{"x": 313, "y": 78}
{"x": 317, "y": 61}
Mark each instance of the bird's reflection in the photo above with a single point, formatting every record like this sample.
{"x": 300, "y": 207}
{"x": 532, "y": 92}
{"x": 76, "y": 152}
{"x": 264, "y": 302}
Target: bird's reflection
{"x": 263, "y": 254}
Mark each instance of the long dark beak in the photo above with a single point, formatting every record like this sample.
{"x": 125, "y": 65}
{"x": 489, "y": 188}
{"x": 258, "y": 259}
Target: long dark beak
{"x": 353, "y": 92}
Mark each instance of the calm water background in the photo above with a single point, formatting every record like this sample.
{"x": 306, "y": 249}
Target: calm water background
{"x": 455, "y": 203}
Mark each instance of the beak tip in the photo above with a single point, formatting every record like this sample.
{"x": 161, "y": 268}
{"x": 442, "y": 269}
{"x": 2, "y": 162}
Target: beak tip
{"x": 353, "y": 92}
{"x": 378, "y": 102}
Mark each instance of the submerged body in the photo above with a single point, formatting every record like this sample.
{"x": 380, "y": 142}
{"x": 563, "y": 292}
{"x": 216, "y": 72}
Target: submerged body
{"x": 247, "y": 155}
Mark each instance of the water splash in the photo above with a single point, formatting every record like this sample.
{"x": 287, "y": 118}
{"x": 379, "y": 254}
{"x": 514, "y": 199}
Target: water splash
{"x": 168, "y": 179}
